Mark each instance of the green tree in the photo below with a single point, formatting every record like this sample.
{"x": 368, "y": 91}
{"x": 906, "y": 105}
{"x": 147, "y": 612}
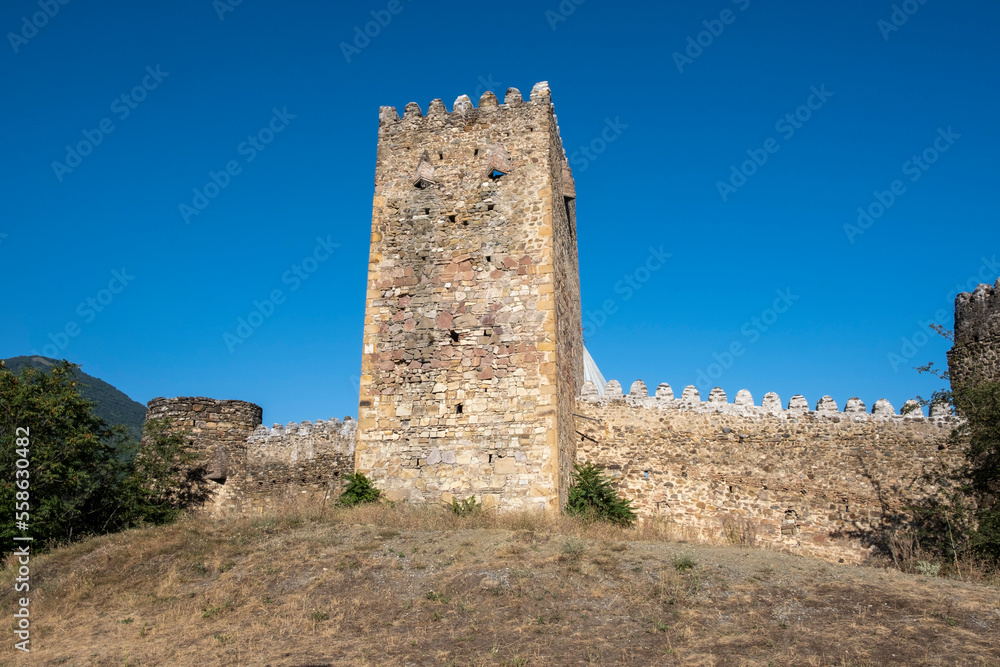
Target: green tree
{"x": 85, "y": 477}
{"x": 164, "y": 478}
{"x": 75, "y": 465}
{"x": 975, "y": 509}
{"x": 592, "y": 497}
{"x": 978, "y": 404}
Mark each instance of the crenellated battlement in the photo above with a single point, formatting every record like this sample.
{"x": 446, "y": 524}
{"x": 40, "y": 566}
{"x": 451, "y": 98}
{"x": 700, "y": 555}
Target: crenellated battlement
{"x": 299, "y": 441}
{"x": 770, "y": 406}
{"x": 463, "y": 110}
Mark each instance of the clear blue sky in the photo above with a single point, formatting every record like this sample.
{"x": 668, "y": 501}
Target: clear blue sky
{"x": 879, "y": 96}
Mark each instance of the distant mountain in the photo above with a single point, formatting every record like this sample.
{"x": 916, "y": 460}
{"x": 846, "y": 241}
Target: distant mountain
{"x": 113, "y": 406}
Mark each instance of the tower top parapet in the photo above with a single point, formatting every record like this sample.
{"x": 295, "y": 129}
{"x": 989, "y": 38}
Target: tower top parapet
{"x": 541, "y": 95}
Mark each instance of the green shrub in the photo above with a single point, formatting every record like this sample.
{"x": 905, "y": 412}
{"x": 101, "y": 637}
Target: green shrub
{"x": 359, "y": 490}
{"x": 467, "y": 507}
{"x": 592, "y": 497}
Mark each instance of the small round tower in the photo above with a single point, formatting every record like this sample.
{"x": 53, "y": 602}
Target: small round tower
{"x": 219, "y": 428}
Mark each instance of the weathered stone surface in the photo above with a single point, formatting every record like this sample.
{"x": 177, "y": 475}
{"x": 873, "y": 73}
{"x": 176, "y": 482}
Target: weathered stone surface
{"x": 257, "y": 467}
{"x": 771, "y": 402}
{"x": 638, "y": 390}
{"x": 855, "y": 406}
{"x": 472, "y": 337}
{"x": 691, "y": 395}
{"x": 826, "y": 404}
{"x": 812, "y": 482}
{"x": 975, "y": 357}
{"x": 883, "y": 408}
{"x": 218, "y": 429}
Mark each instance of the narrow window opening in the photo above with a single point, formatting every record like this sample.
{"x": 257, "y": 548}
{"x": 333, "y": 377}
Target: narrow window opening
{"x": 465, "y": 223}
{"x": 451, "y": 218}
{"x": 496, "y": 174}
{"x": 475, "y": 153}
{"x": 440, "y": 156}
{"x": 454, "y": 339}
{"x": 490, "y": 207}
{"x": 458, "y": 409}
{"x": 730, "y": 489}
{"x": 427, "y": 211}
{"x": 489, "y": 258}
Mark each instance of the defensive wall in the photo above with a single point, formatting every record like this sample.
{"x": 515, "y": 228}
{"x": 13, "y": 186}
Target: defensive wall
{"x": 255, "y": 467}
{"x": 813, "y": 481}
{"x": 472, "y": 374}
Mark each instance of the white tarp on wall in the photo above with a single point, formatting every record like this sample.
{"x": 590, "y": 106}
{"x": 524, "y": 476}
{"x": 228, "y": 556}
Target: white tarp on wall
{"x": 592, "y": 373}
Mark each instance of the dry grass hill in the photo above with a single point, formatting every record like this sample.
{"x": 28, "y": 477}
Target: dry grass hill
{"x": 381, "y": 585}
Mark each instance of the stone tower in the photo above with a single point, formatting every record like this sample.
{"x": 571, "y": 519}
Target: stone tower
{"x": 976, "y": 353}
{"x": 473, "y": 349}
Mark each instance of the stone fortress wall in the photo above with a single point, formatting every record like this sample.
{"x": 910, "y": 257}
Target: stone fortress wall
{"x": 472, "y": 383}
{"x": 812, "y": 481}
{"x": 817, "y": 481}
{"x": 255, "y": 467}
{"x": 976, "y": 354}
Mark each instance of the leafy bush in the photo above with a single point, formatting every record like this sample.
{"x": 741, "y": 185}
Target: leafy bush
{"x": 359, "y": 490}
{"x": 592, "y": 497}
{"x": 84, "y": 477}
{"x": 467, "y": 507}
{"x": 979, "y": 405}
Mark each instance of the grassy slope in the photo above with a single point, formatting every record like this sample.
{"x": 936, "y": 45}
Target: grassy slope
{"x": 381, "y": 586}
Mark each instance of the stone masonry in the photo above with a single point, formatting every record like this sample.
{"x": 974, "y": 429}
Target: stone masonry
{"x": 472, "y": 375}
{"x": 976, "y": 353}
{"x": 815, "y": 482}
{"x": 472, "y": 340}
{"x": 218, "y": 429}
{"x": 258, "y": 468}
